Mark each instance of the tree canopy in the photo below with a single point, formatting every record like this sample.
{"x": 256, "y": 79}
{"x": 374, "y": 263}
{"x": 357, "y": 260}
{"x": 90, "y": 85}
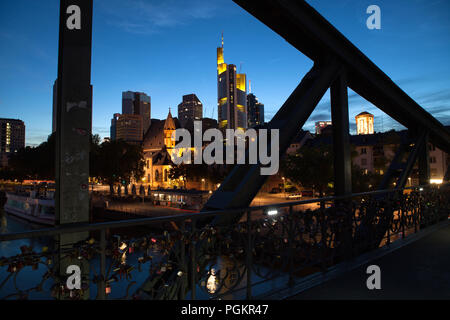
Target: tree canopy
{"x": 112, "y": 161}
{"x": 311, "y": 168}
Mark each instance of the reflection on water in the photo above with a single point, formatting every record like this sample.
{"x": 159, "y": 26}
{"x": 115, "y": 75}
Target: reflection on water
{"x": 11, "y": 224}
{"x": 211, "y": 284}
{"x": 27, "y": 277}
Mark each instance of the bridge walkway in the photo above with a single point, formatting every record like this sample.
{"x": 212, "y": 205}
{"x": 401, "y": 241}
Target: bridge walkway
{"x": 418, "y": 270}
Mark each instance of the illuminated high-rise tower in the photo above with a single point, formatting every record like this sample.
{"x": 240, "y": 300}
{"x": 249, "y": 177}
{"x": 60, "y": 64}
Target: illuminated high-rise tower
{"x": 12, "y": 138}
{"x": 231, "y": 95}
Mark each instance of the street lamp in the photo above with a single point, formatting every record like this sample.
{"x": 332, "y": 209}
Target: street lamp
{"x": 143, "y": 196}
{"x": 284, "y": 186}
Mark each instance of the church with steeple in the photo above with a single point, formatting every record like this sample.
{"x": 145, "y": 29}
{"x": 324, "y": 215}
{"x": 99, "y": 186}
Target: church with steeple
{"x": 157, "y": 145}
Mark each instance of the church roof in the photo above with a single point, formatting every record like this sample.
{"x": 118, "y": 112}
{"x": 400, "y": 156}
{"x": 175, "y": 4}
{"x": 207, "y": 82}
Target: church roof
{"x": 162, "y": 158}
{"x": 169, "y": 123}
{"x": 154, "y": 137}
{"x": 364, "y": 113}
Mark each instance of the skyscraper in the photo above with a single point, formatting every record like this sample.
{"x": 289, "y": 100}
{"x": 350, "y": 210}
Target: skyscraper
{"x": 12, "y": 138}
{"x": 113, "y": 128}
{"x": 137, "y": 103}
{"x": 231, "y": 95}
{"x": 255, "y": 111}
{"x": 129, "y": 128}
{"x": 190, "y": 109}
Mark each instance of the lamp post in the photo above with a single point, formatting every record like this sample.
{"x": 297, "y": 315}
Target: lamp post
{"x": 143, "y": 195}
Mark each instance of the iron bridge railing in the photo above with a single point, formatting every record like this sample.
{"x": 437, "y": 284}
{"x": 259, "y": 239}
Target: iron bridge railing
{"x": 270, "y": 248}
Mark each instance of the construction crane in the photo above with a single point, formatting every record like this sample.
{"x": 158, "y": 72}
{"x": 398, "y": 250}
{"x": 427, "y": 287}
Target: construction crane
{"x": 240, "y": 67}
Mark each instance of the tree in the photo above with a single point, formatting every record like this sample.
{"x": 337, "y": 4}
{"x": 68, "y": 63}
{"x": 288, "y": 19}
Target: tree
{"x": 94, "y": 156}
{"x": 118, "y": 162}
{"x": 115, "y": 161}
{"x": 39, "y": 162}
{"x": 34, "y": 162}
{"x": 312, "y": 167}
{"x": 180, "y": 172}
{"x": 217, "y": 173}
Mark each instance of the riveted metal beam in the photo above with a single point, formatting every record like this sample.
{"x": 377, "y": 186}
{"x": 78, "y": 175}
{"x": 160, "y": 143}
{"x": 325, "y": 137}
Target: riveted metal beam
{"x": 305, "y": 29}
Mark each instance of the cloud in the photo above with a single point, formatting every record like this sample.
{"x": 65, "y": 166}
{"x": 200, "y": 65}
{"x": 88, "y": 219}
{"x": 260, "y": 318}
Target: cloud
{"x": 413, "y": 80}
{"x": 147, "y": 17}
{"x": 25, "y": 44}
{"x": 437, "y": 96}
{"x": 437, "y": 109}
{"x": 34, "y": 140}
{"x": 320, "y": 116}
{"x": 101, "y": 130}
{"x": 268, "y": 114}
{"x": 436, "y": 102}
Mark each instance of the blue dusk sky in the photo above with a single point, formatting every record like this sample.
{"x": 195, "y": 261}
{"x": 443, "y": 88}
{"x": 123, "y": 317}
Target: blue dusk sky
{"x": 168, "y": 48}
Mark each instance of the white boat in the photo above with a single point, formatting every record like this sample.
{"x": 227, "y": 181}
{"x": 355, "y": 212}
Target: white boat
{"x": 32, "y": 206}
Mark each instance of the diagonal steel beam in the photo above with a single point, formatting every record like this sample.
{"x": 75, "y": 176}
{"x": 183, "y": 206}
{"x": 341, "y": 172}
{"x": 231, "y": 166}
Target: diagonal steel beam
{"x": 244, "y": 182}
{"x": 447, "y": 174}
{"x": 419, "y": 144}
{"x": 397, "y": 164}
{"x": 424, "y": 162}
{"x": 305, "y": 29}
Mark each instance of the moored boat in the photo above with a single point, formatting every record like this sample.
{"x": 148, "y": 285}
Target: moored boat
{"x": 34, "y": 206}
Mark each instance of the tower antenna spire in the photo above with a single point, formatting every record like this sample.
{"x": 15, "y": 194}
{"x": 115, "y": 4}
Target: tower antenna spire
{"x": 222, "y": 39}
{"x": 249, "y": 86}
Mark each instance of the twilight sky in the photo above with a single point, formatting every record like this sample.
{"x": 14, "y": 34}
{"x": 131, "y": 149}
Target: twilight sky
{"x": 168, "y": 48}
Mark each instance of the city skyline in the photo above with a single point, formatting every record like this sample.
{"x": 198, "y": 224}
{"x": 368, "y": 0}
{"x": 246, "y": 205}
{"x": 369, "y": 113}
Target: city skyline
{"x": 159, "y": 68}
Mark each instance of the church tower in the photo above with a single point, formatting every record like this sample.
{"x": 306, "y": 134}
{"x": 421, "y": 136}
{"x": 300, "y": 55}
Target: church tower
{"x": 169, "y": 128}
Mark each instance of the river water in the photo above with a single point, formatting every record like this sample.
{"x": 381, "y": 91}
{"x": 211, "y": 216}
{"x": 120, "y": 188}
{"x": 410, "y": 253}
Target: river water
{"x": 21, "y": 280}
